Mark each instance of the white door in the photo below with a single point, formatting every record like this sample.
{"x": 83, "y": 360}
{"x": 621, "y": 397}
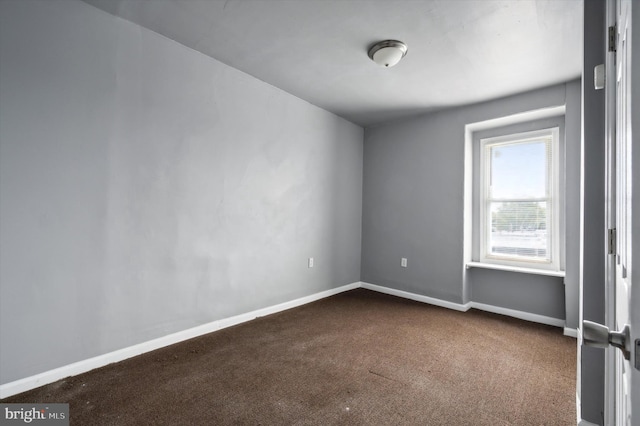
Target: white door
{"x": 626, "y": 303}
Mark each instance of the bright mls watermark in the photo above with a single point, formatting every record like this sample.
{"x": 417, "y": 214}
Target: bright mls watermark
{"x": 36, "y": 414}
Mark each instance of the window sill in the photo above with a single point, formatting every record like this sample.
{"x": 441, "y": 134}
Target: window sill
{"x": 515, "y": 269}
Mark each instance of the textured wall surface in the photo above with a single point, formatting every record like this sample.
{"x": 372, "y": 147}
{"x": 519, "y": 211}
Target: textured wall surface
{"x": 413, "y": 201}
{"x": 146, "y": 188}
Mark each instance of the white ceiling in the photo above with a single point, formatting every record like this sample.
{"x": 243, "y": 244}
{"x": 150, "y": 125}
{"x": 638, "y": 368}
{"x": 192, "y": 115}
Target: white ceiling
{"x": 460, "y": 51}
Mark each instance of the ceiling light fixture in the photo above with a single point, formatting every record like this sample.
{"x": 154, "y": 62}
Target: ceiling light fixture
{"x": 387, "y": 53}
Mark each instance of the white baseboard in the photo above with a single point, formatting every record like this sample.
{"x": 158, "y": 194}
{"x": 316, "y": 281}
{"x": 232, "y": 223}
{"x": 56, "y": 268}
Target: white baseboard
{"x": 571, "y": 332}
{"x": 527, "y": 316}
{"x": 586, "y": 423}
{"x": 417, "y": 297}
{"x": 23, "y": 385}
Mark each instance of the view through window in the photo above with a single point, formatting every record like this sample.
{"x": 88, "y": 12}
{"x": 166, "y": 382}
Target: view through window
{"x": 519, "y": 205}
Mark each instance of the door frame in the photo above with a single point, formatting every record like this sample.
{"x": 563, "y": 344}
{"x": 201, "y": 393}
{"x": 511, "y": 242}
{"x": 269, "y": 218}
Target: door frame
{"x": 610, "y": 212}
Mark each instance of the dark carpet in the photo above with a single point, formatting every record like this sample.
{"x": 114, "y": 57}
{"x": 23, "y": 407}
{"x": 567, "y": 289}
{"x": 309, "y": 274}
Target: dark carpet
{"x": 356, "y": 358}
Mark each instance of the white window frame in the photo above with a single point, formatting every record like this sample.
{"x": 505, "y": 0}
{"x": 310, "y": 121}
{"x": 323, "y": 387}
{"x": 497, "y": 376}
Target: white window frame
{"x": 553, "y": 194}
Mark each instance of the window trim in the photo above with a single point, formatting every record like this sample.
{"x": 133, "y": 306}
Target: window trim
{"x": 553, "y": 196}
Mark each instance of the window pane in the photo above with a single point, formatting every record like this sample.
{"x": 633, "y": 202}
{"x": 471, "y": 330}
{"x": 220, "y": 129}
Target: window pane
{"x": 519, "y": 170}
{"x": 519, "y": 229}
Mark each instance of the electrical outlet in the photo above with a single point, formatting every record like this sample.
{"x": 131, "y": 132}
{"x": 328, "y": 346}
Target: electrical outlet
{"x": 311, "y": 262}
{"x": 403, "y": 262}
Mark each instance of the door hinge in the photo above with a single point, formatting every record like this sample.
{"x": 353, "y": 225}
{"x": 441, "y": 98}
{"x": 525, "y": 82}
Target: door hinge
{"x": 611, "y": 241}
{"x": 613, "y": 38}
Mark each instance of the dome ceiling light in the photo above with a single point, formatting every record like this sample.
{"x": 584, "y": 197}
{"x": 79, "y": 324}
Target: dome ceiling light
{"x": 387, "y": 53}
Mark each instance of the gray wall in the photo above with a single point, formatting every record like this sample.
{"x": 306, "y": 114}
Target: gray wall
{"x": 593, "y": 211}
{"x": 146, "y": 188}
{"x": 413, "y": 207}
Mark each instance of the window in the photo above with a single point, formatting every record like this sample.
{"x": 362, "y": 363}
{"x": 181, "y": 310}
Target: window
{"x": 519, "y": 200}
